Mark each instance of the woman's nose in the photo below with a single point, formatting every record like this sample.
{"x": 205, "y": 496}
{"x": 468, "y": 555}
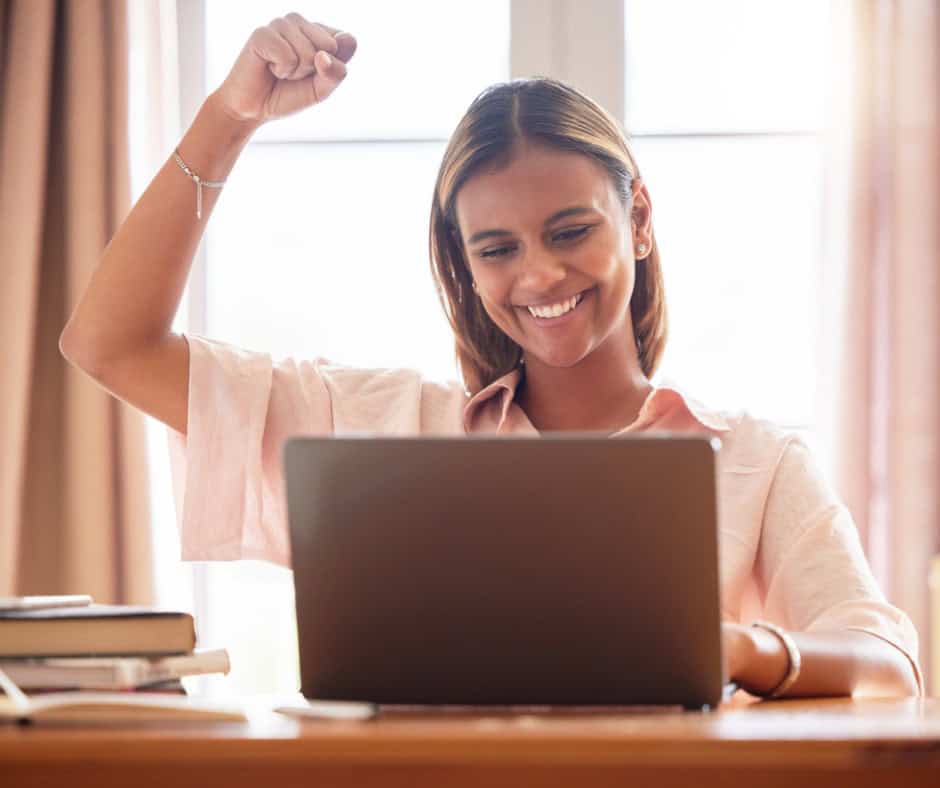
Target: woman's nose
{"x": 540, "y": 272}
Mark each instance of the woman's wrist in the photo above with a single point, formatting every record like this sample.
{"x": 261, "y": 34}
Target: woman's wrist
{"x": 236, "y": 126}
{"x": 765, "y": 662}
{"x": 213, "y": 143}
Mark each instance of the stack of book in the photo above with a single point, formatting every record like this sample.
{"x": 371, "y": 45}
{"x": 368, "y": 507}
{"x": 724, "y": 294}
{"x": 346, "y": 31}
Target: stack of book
{"x": 50, "y": 644}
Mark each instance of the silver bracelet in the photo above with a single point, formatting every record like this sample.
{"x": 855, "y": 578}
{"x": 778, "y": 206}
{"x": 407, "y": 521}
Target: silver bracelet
{"x": 793, "y": 654}
{"x": 198, "y": 181}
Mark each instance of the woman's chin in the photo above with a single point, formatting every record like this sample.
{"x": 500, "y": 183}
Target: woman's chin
{"x": 556, "y": 358}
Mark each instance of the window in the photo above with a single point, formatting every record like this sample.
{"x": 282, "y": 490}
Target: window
{"x": 319, "y": 244}
{"x": 727, "y": 125}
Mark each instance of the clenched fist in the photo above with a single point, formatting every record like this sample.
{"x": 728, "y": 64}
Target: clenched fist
{"x": 286, "y": 66}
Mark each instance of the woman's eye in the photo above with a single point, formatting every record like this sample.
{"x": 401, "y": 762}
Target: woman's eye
{"x": 565, "y": 235}
{"x": 570, "y": 235}
{"x": 501, "y": 251}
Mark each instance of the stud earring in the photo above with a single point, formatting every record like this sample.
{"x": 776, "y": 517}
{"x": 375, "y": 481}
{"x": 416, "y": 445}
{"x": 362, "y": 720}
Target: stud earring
{"x": 474, "y": 286}
{"x": 641, "y": 250}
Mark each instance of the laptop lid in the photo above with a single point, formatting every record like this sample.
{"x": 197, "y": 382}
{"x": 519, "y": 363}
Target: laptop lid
{"x": 563, "y": 569}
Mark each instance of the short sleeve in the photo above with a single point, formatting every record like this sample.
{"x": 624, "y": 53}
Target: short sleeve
{"x": 227, "y": 472}
{"x": 811, "y": 567}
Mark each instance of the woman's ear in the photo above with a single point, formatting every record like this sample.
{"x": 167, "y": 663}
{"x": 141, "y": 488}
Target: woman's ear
{"x": 641, "y": 214}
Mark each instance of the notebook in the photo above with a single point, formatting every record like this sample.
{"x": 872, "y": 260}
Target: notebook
{"x": 560, "y": 570}
{"x": 119, "y": 707}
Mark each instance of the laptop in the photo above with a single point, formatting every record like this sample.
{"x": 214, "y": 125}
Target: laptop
{"x": 563, "y": 570}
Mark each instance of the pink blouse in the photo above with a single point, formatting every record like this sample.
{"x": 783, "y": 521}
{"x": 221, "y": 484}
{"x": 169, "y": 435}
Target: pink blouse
{"x": 789, "y": 550}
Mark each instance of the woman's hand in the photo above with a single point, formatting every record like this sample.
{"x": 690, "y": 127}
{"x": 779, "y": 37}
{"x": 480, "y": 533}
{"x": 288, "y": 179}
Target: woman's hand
{"x": 285, "y": 67}
{"x": 755, "y": 659}
{"x": 737, "y": 649}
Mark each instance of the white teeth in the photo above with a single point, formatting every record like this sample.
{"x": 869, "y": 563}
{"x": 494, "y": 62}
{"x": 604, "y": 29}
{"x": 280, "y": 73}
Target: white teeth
{"x": 555, "y": 310}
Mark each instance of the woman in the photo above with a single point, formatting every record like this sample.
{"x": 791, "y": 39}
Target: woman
{"x": 543, "y": 250}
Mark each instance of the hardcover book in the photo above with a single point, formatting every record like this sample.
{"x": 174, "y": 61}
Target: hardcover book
{"x": 95, "y": 630}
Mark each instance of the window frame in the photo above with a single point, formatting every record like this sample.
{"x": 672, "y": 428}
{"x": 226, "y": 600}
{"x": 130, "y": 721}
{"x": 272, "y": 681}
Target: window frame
{"x": 544, "y": 36}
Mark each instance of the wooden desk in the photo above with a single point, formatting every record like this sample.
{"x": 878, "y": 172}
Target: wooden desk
{"x": 789, "y": 743}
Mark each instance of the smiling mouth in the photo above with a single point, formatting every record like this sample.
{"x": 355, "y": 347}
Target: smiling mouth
{"x": 556, "y": 310}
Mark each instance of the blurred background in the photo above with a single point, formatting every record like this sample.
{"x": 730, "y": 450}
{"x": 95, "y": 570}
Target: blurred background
{"x": 790, "y": 148}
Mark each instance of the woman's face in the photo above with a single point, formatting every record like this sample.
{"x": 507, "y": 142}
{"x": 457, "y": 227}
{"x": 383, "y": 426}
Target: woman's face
{"x": 543, "y": 233}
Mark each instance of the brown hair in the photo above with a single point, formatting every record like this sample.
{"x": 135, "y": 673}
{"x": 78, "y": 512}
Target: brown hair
{"x": 550, "y": 113}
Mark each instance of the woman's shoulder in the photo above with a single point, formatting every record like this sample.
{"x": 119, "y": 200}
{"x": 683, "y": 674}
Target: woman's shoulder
{"x": 374, "y": 381}
{"x": 396, "y": 400}
{"x": 351, "y": 377}
{"x": 750, "y": 441}
{"x": 360, "y": 398}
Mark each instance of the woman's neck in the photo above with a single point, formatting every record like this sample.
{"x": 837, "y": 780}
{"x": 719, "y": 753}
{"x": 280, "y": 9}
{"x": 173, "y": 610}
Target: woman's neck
{"x": 603, "y": 392}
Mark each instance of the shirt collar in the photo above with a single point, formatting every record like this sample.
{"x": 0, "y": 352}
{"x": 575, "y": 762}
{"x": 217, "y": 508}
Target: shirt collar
{"x": 660, "y": 399}
{"x": 504, "y": 387}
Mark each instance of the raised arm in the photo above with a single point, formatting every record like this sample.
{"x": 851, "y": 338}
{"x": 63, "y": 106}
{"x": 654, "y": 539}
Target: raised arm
{"x": 120, "y": 332}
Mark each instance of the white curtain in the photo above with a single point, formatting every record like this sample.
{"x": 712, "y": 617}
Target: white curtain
{"x": 154, "y": 130}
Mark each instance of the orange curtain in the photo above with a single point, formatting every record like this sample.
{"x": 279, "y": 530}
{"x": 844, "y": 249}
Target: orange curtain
{"x": 880, "y": 371}
{"x": 74, "y": 514}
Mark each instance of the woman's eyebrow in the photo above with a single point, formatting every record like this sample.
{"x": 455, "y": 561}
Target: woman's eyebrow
{"x": 566, "y": 212}
{"x": 484, "y": 234}
{"x": 555, "y": 217}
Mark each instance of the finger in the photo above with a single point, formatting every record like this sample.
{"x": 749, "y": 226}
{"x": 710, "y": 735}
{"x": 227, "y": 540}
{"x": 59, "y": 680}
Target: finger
{"x": 346, "y": 43}
{"x": 271, "y": 47}
{"x": 302, "y": 46}
{"x": 330, "y": 72}
{"x": 331, "y": 30}
{"x": 316, "y": 34}
{"x": 345, "y": 46}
